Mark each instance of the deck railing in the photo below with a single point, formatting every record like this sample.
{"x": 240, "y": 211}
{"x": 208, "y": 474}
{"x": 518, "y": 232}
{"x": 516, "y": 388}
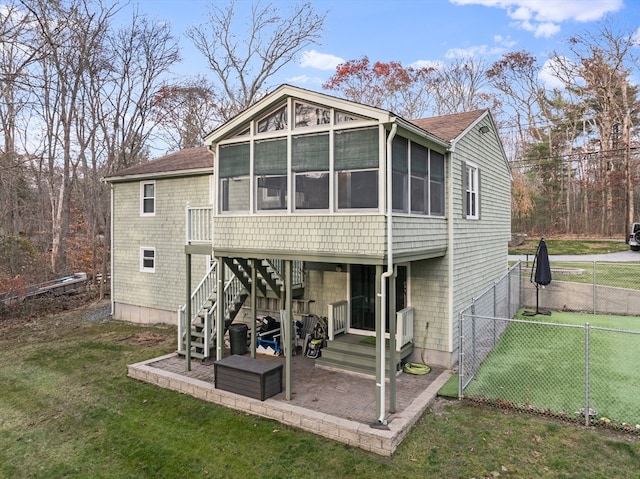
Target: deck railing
{"x": 337, "y": 318}
{"x": 404, "y": 327}
{"x": 199, "y": 226}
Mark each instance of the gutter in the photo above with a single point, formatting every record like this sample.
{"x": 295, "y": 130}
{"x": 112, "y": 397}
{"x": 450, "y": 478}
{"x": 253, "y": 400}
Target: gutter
{"x": 388, "y": 273}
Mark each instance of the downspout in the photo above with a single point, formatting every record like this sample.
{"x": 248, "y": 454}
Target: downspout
{"x": 389, "y": 272}
{"x": 111, "y": 259}
{"x": 452, "y": 151}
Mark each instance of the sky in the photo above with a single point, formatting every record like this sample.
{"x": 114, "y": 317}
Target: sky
{"x": 413, "y": 32}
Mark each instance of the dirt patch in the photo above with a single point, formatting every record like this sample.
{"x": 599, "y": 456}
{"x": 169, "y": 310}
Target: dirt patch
{"x": 145, "y": 338}
{"x": 439, "y": 404}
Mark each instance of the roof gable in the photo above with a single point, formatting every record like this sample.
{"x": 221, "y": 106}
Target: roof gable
{"x": 449, "y": 127}
{"x": 274, "y": 100}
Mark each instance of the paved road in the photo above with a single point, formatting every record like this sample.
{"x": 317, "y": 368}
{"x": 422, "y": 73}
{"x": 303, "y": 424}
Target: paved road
{"x": 620, "y": 257}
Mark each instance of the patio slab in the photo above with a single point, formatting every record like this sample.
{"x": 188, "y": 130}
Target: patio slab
{"x": 334, "y": 404}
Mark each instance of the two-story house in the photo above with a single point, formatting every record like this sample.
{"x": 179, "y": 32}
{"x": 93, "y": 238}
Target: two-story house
{"x": 386, "y": 226}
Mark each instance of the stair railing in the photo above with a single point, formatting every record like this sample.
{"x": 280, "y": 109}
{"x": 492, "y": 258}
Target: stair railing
{"x": 201, "y": 294}
{"x": 337, "y": 318}
{"x": 404, "y": 327}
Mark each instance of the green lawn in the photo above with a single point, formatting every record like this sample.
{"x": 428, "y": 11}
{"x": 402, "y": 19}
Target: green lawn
{"x": 67, "y": 410}
{"x": 542, "y": 366}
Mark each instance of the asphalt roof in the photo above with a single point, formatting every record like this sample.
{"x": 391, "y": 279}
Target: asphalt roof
{"x": 197, "y": 158}
{"x": 448, "y": 127}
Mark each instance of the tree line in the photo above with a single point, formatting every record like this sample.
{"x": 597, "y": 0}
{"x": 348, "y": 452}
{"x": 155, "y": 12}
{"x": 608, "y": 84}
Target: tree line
{"x": 87, "y": 89}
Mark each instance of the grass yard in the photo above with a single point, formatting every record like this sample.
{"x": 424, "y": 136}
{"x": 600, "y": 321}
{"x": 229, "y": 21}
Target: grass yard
{"x": 542, "y": 365}
{"x": 571, "y": 246}
{"x": 67, "y": 410}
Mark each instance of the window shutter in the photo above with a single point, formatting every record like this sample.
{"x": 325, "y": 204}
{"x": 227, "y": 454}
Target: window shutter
{"x": 310, "y": 153}
{"x": 233, "y": 160}
{"x": 465, "y": 178}
{"x": 356, "y": 149}
{"x": 270, "y": 157}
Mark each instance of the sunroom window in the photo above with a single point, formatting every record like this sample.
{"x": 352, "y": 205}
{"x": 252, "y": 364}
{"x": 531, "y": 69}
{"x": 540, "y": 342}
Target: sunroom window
{"x": 356, "y": 161}
{"x": 270, "y": 170}
{"x": 310, "y": 165}
{"x": 233, "y": 169}
{"x": 437, "y": 183}
{"x": 419, "y": 179}
{"x": 400, "y": 167}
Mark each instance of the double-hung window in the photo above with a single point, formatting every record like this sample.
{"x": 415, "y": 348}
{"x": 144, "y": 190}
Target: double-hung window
{"x": 147, "y": 259}
{"x": 148, "y": 198}
{"x": 310, "y": 166}
{"x": 356, "y": 163}
{"x": 471, "y": 190}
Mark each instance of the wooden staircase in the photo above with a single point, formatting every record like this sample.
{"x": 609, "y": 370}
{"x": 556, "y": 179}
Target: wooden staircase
{"x": 355, "y": 353}
{"x": 204, "y": 306}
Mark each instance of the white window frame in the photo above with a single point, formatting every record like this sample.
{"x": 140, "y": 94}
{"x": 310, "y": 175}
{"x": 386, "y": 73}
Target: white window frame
{"x": 472, "y": 191}
{"x": 143, "y": 268}
{"x": 143, "y": 198}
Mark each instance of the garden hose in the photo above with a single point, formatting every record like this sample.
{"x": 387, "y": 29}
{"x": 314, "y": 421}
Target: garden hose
{"x": 415, "y": 368}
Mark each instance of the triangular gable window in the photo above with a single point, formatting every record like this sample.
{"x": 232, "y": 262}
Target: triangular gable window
{"x": 244, "y": 132}
{"x": 274, "y": 121}
{"x": 311, "y": 115}
{"x": 344, "y": 117}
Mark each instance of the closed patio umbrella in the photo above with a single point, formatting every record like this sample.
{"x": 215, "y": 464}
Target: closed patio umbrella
{"x": 540, "y": 274}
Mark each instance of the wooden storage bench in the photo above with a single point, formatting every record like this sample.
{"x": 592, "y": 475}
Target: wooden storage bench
{"x": 249, "y": 377}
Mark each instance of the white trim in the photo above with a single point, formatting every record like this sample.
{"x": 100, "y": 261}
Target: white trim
{"x": 143, "y": 268}
{"x": 143, "y": 198}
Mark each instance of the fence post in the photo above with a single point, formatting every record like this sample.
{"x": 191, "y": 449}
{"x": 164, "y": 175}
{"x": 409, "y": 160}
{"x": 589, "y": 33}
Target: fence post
{"x": 595, "y": 295}
{"x": 460, "y": 356}
{"x": 473, "y": 334}
{"x": 587, "y": 411}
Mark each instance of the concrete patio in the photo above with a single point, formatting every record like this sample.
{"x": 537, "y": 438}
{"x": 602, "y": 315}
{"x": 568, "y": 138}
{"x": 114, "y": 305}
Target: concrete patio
{"x": 334, "y": 404}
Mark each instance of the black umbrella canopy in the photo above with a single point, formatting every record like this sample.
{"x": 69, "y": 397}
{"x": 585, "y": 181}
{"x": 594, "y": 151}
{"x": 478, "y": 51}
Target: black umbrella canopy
{"x": 543, "y": 270}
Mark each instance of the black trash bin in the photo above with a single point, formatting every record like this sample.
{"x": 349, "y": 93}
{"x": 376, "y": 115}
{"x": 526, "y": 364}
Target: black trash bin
{"x": 238, "y": 338}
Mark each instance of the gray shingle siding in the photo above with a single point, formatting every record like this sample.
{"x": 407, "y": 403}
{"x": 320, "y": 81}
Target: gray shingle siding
{"x": 165, "y": 231}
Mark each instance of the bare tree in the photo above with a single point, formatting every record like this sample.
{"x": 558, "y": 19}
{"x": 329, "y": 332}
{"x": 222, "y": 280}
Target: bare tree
{"x": 243, "y": 58}
{"x": 598, "y": 69}
{"x": 461, "y": 86}
{"x": 185, "y": 112}
{"x": 19, "y": 50}
{"x": 71, "y": 32}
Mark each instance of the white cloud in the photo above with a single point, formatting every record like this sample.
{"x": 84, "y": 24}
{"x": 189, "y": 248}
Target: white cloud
{"x": 548, "y": 78}
{"x": 437, "y": 64}
{"x": 546, "y": 29}
{"x": 636, "y": 37}
{"x": 304, "y": 80}
{"x": 543, "y": 18}
{"x": 477, "y": 50}
{"x": 504, "y": 41}
{"x": 321, "y": 61}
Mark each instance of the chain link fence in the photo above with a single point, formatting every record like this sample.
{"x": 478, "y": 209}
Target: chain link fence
{"x": 580, "y": 372}
{"x": 596, "y": 287}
